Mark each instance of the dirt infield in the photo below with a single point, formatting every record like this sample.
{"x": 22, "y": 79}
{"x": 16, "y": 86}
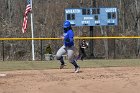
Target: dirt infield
{"x": 89, "y": 80}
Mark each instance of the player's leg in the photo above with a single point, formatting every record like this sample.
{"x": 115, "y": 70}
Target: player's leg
{"x": 82, "y": 56}
{"x": 71, "y": 58}
{"x": 59, "y": 56}
{"x": 78, "y": 57}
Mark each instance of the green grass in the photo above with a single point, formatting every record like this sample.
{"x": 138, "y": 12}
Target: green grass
{"x": 41, "y": 65}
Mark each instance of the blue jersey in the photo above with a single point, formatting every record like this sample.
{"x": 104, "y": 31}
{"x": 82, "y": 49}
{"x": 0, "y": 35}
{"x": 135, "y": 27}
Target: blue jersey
{"x": 68, "y": 38}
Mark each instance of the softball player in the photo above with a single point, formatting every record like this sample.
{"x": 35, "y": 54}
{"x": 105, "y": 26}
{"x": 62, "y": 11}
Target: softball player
{"x": 68, "y": 47}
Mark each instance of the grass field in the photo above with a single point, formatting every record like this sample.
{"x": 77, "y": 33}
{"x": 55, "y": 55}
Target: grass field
{"x": 42, "y": 65}
{"x": 95, "y": 76}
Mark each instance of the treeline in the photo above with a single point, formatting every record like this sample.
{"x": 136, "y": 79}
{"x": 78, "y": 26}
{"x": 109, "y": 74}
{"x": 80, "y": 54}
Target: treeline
{"x": 48, "y": 17}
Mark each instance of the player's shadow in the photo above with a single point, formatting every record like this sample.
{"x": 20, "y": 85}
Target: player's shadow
{"x": 73, "y": 72}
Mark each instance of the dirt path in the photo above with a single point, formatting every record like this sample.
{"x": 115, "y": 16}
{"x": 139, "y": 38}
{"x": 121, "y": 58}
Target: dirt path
{"x": 89, "y": 80}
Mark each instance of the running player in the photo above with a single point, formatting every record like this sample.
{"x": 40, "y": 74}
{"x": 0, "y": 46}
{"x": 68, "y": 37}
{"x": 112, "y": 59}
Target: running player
{"x": 68, "y": 47}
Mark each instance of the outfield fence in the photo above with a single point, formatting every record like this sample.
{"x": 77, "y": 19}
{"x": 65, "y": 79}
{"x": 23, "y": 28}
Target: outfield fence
{"x": 113, "y": 37}
{"x": 20, "y": 48}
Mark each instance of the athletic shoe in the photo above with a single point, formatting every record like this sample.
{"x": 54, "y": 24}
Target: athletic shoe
{"x": 62, "y": 66}
{"x": 77, "y": 69}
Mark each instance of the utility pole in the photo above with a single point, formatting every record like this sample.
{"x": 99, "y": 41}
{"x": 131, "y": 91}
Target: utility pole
{"x": 138, "y": 27}
{"x": 91, "y": 43}
{"x": 9, "y": 5}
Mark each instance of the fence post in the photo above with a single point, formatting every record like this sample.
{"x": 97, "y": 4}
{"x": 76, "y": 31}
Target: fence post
{"x": 3, "y": 50}
{"x": 41, "y": 46}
